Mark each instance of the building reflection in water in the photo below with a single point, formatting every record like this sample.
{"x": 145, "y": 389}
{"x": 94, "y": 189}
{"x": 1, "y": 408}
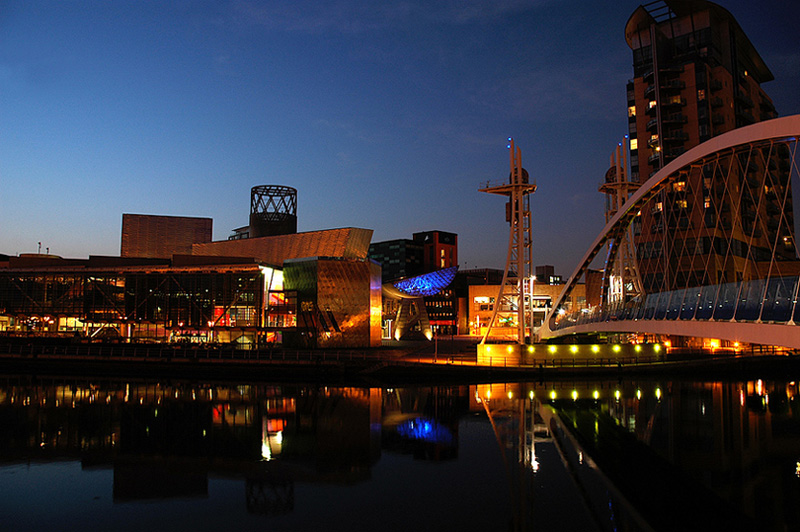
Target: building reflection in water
{"x": 739, "y": 441}
{"x": 164, "y": 439}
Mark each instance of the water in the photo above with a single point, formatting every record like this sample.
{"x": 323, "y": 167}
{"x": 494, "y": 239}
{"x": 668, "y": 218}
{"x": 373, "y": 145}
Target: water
{"x": 121, "y": 454}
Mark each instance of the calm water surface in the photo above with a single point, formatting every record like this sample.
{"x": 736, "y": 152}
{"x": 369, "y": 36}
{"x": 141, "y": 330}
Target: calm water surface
{"x": 124, "y": 454}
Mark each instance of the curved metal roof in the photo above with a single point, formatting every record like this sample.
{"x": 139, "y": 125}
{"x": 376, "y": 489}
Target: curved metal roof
{"x": 426, "y": 284}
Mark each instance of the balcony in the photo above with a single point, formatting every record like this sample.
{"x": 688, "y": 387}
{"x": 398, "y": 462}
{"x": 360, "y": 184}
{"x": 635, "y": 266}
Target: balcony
{"x": 744, "y": 118}
{"x": 743, "y": 99}
{"x": 674, "y": 118}
{"x": 673, "y": 153}
{"x": 715, "y": 85}
{"x": 677, "y": 69}
{"x": 673, "y": 85}
{"x": 675, "y": 102}
{"x": 676, "y": 137}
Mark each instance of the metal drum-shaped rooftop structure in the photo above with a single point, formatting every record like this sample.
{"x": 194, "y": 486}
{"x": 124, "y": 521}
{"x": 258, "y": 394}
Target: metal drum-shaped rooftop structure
{"x": 273, "y": 210}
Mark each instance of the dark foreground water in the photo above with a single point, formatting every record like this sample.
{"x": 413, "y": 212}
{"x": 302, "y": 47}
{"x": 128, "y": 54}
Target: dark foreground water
{"x": 78, "y": 454}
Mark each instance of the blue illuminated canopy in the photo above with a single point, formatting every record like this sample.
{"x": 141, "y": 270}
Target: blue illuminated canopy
{"x": 426, "y": 430}
{"x": 427, "y": 284}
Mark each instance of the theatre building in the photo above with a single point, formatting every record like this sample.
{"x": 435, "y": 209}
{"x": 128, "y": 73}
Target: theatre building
{"x": 314, "y": 289}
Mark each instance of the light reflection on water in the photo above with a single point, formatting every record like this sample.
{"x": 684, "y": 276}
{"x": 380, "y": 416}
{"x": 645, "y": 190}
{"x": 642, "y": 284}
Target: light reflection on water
{"x": 134, "y": 455}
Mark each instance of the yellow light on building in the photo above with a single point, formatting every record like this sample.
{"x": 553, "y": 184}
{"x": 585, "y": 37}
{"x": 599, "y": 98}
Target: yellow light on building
{"x": 617, "y": 348}
{"x": 595, "y": 348}
{"x": 552, "y": 349}
{"x": 573, "y": 348}
{"x": 574, "y": 395}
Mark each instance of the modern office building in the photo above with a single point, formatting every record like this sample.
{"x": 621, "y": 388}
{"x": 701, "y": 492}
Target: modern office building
{"x": 481, "y": 299}
{"x": 696, "y": 75}
{"x": 312, "y": 289}
{"x": 439, "y": 249}
{"x": 426, "y": 252}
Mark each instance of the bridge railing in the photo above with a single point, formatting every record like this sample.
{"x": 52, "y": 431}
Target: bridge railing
{"x": 761, "y": 300}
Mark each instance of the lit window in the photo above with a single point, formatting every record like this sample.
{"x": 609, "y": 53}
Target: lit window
{"x": 632, "y": 110}
{"x": 701, "y": 94}
{"x": 651, "y": 104}
{"x": 682, "y": 203}
{"x": 634, "y": 144}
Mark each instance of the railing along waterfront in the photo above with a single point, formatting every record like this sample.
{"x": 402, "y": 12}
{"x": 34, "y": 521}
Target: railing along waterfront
{"x": 373, "y": 360}
{"x": 169, "y": 353}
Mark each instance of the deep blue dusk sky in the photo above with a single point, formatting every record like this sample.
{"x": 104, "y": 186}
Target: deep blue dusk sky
{"x": 384, "y": 115}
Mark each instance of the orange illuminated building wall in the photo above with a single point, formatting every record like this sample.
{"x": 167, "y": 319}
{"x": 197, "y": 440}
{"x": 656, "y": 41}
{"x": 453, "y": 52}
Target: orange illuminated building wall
{"x": 151, "y": 236}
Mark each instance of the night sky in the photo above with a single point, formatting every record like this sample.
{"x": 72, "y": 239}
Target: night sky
{"x": 384, "y": 115}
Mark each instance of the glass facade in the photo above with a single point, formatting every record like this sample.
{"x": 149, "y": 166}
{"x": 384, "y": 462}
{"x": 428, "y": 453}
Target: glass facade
{"x": 155, "y": 306}
{"x": 246, "y": 305}
{"x": 338, "y": 302}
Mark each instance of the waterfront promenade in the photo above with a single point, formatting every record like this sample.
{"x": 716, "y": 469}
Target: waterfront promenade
{"x": 395, "y": 362}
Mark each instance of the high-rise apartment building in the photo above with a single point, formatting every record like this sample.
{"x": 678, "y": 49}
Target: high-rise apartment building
{"x": 697, "y": 75}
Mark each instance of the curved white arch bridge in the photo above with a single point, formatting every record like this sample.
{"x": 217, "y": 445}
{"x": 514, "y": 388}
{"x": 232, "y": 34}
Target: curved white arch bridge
{"x": 714, "y": 234}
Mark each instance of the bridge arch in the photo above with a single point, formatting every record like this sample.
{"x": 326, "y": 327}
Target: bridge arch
{"x": 736, "y": 275}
